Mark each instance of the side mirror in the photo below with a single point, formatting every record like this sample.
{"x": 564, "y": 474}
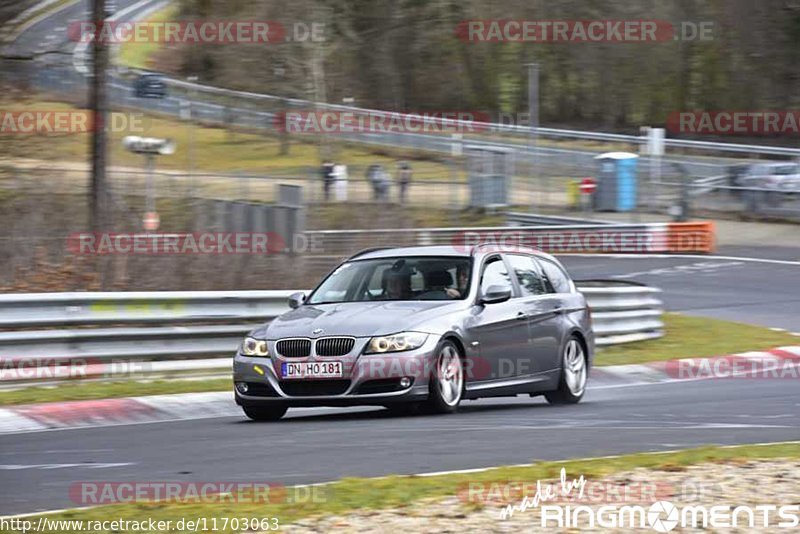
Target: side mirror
{"x": 496, "y": 294}
{"x": 296, "y": 300}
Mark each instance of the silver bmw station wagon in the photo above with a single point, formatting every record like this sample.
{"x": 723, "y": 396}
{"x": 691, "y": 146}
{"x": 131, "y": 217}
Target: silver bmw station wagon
{"x": 422, "y": 328}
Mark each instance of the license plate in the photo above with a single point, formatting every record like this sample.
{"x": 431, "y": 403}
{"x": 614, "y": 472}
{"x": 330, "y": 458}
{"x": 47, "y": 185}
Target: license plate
{"x": 311, "y": 369}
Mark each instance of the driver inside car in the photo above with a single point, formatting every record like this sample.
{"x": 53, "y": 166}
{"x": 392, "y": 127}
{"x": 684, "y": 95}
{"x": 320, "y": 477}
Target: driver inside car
{"x": 396, "y": 285}
{"x": 461, "y": 287}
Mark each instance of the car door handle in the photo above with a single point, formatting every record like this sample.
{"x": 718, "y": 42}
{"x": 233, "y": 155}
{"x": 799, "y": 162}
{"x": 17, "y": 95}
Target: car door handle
{"x": 522, "y": 316}
{"x": 558, "y": 311}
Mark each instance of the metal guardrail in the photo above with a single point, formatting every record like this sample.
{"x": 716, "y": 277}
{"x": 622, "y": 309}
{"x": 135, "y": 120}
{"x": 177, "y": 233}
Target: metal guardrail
{"x": 581, "y": 238}
{"x": 514, "y": 218}
{"x": 622, "y": 312}
{"x": 81, "y": 308}
{"x": 467, "y": 125}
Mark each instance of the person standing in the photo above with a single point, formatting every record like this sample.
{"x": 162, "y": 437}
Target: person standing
{"x": 380, "y": 181}
{"x": 327, "y": 178}
{"x": 404, "y": 179}
{"x": 340, "y": 185}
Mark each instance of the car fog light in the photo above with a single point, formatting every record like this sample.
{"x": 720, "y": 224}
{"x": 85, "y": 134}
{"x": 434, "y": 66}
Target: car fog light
{"x": 405, "y": 382}
{"x": 242, "y": 387}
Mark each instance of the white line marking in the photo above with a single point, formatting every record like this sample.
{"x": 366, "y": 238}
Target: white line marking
{"x": 19, "y": 467}
{"x": 170, "y": 420}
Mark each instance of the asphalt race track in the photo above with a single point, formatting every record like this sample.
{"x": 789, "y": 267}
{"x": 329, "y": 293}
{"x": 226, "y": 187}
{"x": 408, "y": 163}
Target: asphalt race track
{"x": 729, "y": 287}
{"x": 318, "y": 445}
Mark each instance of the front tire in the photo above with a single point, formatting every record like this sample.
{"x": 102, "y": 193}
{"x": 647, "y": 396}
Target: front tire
{"x": 265, "y": 413}
{"x": 574, "y": 373}
{"x": 446, "y": 385}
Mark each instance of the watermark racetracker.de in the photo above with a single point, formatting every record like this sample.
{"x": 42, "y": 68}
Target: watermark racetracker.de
{"x": 34, "y": 368}
{"x": 104, "y": 492}
{"x": 50, "y": 122}
{"x": 197, "y": 32}
{"x": 582, "y": 31}
{"x": 379, "y": 122}
{"x": 735, "y": 122}
{"x": 196, "y": 243}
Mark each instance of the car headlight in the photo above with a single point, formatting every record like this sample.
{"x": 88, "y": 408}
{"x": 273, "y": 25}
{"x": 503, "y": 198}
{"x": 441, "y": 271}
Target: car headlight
{"x": 396, "y": 342}
{"x": 254, "y": 347}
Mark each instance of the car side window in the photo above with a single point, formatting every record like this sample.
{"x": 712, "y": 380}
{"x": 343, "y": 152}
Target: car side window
{"x": 527, "y": 272}
{"x": 556, "y": 279}
{"x": 495, "y": 274}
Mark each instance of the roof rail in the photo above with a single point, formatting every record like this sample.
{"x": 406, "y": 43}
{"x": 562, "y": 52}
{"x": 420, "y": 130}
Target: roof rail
{"x": 476, "y": 248}
{"x": 366, "y": 251}
{"x": 479, "y": 246}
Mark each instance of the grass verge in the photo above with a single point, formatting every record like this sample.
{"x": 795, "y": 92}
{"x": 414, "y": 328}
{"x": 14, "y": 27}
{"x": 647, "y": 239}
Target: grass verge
{"x": 399, "y": 491}
{"x": 136, "y": 55}
{"x": 695, "y": 337}
{"x": 214, "y": 149}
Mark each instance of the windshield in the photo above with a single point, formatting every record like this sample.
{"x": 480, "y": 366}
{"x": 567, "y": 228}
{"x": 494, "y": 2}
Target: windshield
{"x": 415, "y": 278}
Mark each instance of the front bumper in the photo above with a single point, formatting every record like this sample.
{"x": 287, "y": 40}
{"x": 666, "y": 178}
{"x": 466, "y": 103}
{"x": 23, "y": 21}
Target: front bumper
{"x": 368, "y": 379}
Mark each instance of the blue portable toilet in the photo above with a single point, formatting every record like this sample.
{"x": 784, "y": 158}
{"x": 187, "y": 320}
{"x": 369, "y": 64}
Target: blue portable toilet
{"x": 617, "y": 182}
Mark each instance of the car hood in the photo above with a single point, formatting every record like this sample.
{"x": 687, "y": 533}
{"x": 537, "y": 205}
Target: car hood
{"x": 358, "y": 319}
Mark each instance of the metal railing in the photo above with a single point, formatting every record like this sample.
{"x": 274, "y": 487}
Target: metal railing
{"x": 84, "y": 308}
{"x": 536, "y": 219}
{"x": 600, "y": 238}
{"x": 542, "y": 173}
{"x": 622, "y": 312}
{"x": 477, "y": 126}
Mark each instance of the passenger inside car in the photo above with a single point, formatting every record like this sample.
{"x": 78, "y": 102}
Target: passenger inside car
{"x": 436, "y": 285}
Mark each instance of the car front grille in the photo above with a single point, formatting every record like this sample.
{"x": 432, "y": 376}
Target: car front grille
{"x": 313, "y": 388}
{"x": 334, "y": 346}
{"x": 294, "y": 348}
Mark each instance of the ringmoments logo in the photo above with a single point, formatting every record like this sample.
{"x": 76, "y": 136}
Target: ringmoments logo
{"x": 660, "y": 516}
{"x": 664, "y": 516}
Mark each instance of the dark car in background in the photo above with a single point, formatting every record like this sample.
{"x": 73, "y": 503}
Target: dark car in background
{"x": 150, "y": 85}
{"x": 422, "y": 327}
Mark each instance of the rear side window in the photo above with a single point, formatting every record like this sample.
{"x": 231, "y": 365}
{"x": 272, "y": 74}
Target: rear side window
{"x": 555, "y": 277}
{"x": 530, "y": 281}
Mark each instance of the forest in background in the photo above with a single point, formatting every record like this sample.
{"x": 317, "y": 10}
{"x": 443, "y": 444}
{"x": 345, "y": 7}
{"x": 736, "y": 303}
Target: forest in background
{"x": 405, "y": 55}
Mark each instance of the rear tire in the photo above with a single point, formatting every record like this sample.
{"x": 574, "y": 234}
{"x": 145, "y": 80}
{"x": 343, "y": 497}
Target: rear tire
{"x": 574, "y": 373}
{"x": 265, "y": 413}
{"x": 446, "y": 384}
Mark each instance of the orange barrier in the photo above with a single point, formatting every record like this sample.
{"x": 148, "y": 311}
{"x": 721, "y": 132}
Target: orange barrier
{"x": 691, "y": 237}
